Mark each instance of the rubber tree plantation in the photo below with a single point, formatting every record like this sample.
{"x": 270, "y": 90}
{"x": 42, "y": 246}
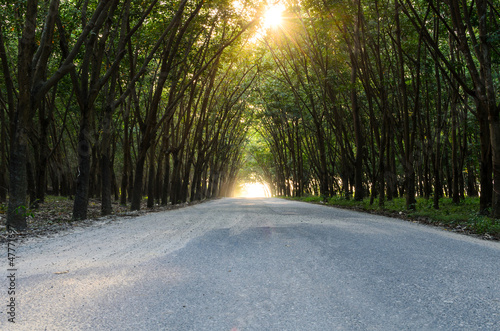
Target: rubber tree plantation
{"x": 151, "y": 103}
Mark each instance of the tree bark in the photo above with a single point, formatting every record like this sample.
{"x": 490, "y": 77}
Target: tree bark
{"x": 408, "y": 148}
{"x": 151, "y": 179}
{"x": 359, "y": 193}
{"x": 139, "y": 174}
{"x": 84, "y": 151}
{"x": 454, "y": 151}
{"x": 166, "y": 181}
{"x": 16, "y": 212}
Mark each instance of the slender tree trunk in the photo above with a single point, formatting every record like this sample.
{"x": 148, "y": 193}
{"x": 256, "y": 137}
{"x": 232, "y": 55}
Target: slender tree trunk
{"x": 471, "y": 174}
{"x": 126, "y": 158}
{"x": 345, "y": 178}
{"x": 204, "y": 184}
{"x": 116, "y": 190}
{"x": 130, "y": 186}
{"x": 487, "y": 28}
{"x": 124, "y": 182}
{"x": 139, "y": 175}
{"x": 95, "y": 173}
{"x": 175, "y": 191}
{"x": 106, "y": 171}
{"x": 390, "y": 174}
{"x": 381, "y": 165}
{"x": 486, "y": 168}
{"x": 55, "y": 180}
{"x": 408, "y": 148}
{"x": 31, "y": 186}
{"x": 41, "y": 156}
{"x": 151, "y": 178}
{"x": 185, "y": 180}
{"x": 3, "y": 183}
{"x": 495, "y": 144}
{"x": 454, "y": 151}
{"x": 16, "y": 212}
{"x": 196, "y": 184}
{"x": 84, "y": 150}
{"x": 166, "y": 181}
{"x": 449, "y": 174}
{"x": 438, "y": 189}
{"x": 159, "y": 178}
{"x": 359, "y": 193}
{"x": 9, "y": 110}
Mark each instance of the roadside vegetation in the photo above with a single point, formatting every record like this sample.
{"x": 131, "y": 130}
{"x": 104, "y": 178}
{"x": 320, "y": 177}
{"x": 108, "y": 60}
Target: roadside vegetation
{"x": 462, "y": 217}
{"x": 107, "y": 101}
{"x": 55, "y": 215}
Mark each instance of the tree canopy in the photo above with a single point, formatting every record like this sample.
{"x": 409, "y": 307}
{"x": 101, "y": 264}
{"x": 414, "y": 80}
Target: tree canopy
{"x": 170, "y": 100}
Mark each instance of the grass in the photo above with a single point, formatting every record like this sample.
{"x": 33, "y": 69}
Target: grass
{"x": 462, "y": 217}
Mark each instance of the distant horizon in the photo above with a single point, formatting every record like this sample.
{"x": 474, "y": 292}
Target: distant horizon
{"x": 253, "y": 190}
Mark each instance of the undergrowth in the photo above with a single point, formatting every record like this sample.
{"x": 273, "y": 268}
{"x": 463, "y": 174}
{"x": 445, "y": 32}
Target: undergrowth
{"x": 461, "y": 217}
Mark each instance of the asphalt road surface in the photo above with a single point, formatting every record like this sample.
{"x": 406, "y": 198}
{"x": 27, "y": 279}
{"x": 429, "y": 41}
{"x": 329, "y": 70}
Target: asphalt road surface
{"x": 255, "y": 264}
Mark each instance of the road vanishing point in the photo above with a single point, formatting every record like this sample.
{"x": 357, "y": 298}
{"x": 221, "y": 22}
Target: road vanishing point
{"x": 256, "y": 264}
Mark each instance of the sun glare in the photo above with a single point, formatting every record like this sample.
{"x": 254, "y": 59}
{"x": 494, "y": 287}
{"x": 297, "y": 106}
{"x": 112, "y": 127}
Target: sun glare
{"x": 254, "y": 190}
{"x": 273, "y": 16}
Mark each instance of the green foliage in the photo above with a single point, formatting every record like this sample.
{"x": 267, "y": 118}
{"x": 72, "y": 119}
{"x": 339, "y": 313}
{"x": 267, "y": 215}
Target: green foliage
{"x": 55, "y": 198}
{"x": 25, "y": 211}
{"x": 294, "y": 87}
{"x": 484, "y": 225}
{"x": 257, "y": 159}
{"x": 462, "y": 216}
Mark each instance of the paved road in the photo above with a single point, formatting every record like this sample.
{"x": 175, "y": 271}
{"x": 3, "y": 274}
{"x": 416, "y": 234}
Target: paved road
{"x": 257, "y": 264}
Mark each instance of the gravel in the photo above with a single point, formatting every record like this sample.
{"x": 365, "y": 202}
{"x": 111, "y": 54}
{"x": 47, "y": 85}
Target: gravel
{"x": 255, "y": 264}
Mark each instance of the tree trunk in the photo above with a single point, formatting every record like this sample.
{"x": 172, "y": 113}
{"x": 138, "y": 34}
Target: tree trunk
{"x": 408, "y": 148}
{"x": 166, "y": 181}
{"x": 31, "y": 186}
{"x": 390, "y": 174}
{"x": 41, "y": 156}
{"x": 486, "y": 168}
{"x": 381, "y": 166}
{"x": 106, "y": 207}
{"x": 151, "y": 179}
{"x": 9, "y": 110}
{"x": 124, "y": 182}
{"x": 185, "y": 181}
{"x": 82, "y": 182}
{"x": 345, "y": 178}
{"x": 471, "y": 174}
{"x": 487, "y": 28}
{"x": 159, "y": 178}
{"x": 204, "y": 184}
{"x": 139, "y": 174}
{"x": 16, "y": 212}
{"x": 359, "y": 193}
{"x": 495, "y": 148}
{"x": 126, "y": 159}
{"x": 454, "y": 151}
{"x": 106, "y": 171}
{"x": 116, "y": 190}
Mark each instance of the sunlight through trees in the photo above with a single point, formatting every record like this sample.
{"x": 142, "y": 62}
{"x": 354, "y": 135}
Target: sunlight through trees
{"x": 273, "y": 16}
{"x": 181, "y": 101}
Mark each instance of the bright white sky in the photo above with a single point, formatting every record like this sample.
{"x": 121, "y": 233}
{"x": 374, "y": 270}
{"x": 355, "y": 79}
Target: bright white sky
{"x": 272, "y": 19}
{"x": 254, "y": 190}
{"x": 273, "y": 16}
